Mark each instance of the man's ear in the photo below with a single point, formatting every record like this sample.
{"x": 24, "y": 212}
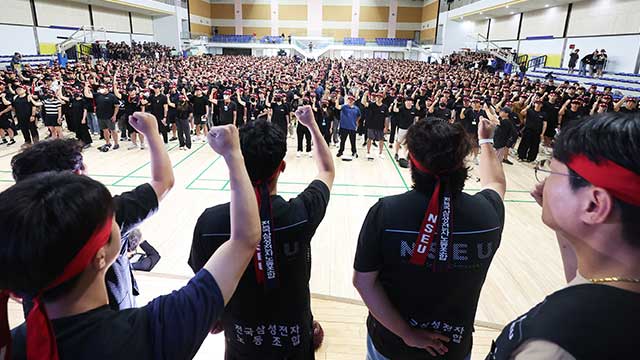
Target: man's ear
{"x": 100, "y": 259}
{"x": 598, "y": 205}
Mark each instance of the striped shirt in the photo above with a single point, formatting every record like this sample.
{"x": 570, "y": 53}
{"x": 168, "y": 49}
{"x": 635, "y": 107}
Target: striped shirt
{"x": 51, "y": 106}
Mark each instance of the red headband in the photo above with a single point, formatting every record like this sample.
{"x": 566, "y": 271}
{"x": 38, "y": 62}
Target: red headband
{"x": 41, "y": 342}
{"x": 622, "y": 183}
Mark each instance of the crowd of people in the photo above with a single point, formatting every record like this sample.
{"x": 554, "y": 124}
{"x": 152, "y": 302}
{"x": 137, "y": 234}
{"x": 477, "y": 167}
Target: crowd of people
{"x": 64, "y": 240}
{"x": 593, "y": 63}
{"x": 124, "y": 51}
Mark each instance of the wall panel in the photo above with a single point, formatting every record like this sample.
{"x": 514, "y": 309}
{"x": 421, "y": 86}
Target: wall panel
{"x": 428, "y": 35}
{"x": 552, "y": 48}
{"x": 53, "y": 12}
{"x": 544, "y": 22}
{"x": 200, "y": 29}
{"x": 374, "y": 13}
{"x": 430, "y": 12}
{"x": 293, "y": 31}
{"x": 112, "y": 20}
{"x": 336, "y": 13}
{"x": 222, "y": 11}
{"x": 504, "y": 28}
{"x": 405, "y": 34}
{"x": 292, "y": 12}
{"x": 226, "y": 30}
{"x": 621, "y": 50}
{"x": 338, "y": 34}
{"x": 17, "y": 38}
{"x": 371, "y": 35}
{"x": 604, "y": 17}
{"x": 16, "y": 12}
{"x": 200, "y": 8}
{"x": 142, "y": 24}
{"x": 409, "y": 14}
{"x": 256, "y": 11}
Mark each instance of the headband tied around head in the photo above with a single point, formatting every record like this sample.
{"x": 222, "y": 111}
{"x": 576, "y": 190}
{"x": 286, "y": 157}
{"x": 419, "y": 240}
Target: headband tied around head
{"x": 41, "y": 341}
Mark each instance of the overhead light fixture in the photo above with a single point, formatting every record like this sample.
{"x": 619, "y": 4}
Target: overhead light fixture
{"x": 546, "y": 5}
{"x": 506, "y": 7}
{"x": 512, "y": 13}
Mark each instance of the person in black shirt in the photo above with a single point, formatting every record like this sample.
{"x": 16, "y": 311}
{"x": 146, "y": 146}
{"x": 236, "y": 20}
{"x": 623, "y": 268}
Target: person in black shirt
{"x": 534, "y": 126}
{"x": 630, "y": 105}
{"x": 133, "y": 104}
{"x": 241, "y": 108}
{"x": 377, "y": 114}
{"x": 422, "y": 289}
{"x": 159, "y": 108}
{"x": 172, "y": 98}
{"x": 6, "y": 121}
{"x": 279, "y": 113}
{"x": 227, "y": 107}
{"x": 471, "y": 119}
{"x": 302, "y": 132}
{"x": 78, "y": 117}
{"x": 407, "y": 115}
{"x": 75, "y": 321}
{"x": 324, "y": 119}
{"x": 573, "y": 60}
{"x": 569, "y": 116}
{"x": 505, "y": 136}
{"x": 107, "y": 106}
{"x": 184, "y": 110}
{"x": 131, "y": 208}
{"x": 148, "y": 259}
{"x": 269, "y": 316}
{"x": 551, "y": 108}
{"x": 26, "y": 114}
{"x": 200, "y": 109}
{"x": 590, "y": 197}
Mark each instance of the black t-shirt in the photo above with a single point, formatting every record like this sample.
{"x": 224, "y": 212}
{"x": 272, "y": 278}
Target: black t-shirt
{"x": 105, "y": 105}
{"x": 552, "y": 112}
{"x": 156, "y": 105}
{"x": 472, "y": 119}
{"x": 199, "y": 105}
{"x": 407, "y": 117}
{"x": 77, "y": 108}
{"x": 279, "y": 113}
{"x": 571, "y": 118}
{"x": 624, "y": 110}
{"x": 22, "y": 107}
{"x": 535, "y": 120}
{"x": 226, "y": 112}
{"x": 131, "y": 105}
{"x": 169, "y": 327}
{"x": 264, "y": 323}
{"x": 174, "y": 97}
{"x": 376, "y": 116}
{"x": 442, "y": 301}
{"x": 444, "y": 114}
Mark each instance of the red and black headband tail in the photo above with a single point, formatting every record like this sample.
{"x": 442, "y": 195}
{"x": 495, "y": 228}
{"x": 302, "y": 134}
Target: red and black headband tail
{"x": 264, "y": 260}
{"x": 436, "y": 224}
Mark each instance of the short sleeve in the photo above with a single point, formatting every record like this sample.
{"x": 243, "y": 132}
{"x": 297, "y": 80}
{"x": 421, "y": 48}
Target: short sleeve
{"x": 315, "y": 199}
{"x": 368, "y": 251}
{"x": 133, "y": 207}
{"x": 179, "y": 322}
{"x": 495, "y": 200}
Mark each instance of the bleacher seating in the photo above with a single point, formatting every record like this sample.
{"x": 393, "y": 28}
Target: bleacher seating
{"x": 32, "y": 60}
{"x": 232, "y": 38}
{"x": 354, "y": 41}
{"x": 391, "y": 42}
{"x": 271, "y": 39}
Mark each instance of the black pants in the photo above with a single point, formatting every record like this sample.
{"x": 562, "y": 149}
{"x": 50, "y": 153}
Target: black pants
{"x": 343, "y": 138}
{"x": 184, "y": 136}
{"x": 392, "y": 133}
{"x": 29, "y": 130}
{"x": 325, "y": 130}
{"x": 529, "y": 145}
{"x": 163, "y": 130}
{"x": 303, "y": 132}
{"x": 82, "y": 133}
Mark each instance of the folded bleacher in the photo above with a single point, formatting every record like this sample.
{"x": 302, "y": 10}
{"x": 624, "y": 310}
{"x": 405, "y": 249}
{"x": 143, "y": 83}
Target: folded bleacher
{"x": 232, "y": 38}
{"x": 391, "y": 42}
{"x": 267, "y": 39}
{"x": 354, "y": 41}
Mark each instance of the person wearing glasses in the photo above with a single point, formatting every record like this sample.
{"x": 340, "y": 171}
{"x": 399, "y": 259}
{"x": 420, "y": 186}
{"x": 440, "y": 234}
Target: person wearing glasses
{"x": 590, "y": 196}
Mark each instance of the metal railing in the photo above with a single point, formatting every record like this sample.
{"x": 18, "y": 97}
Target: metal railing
{"x": 538, "y": 61}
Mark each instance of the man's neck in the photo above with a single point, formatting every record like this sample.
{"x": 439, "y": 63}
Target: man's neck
{"x": 86, "y": 295}
{"x": 606, "y": 258}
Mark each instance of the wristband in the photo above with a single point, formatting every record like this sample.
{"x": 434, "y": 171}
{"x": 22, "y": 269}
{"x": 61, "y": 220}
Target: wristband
{"x": 485, "y": 141}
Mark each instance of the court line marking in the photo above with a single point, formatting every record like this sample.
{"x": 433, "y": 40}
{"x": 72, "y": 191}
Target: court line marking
{"x": 203, "y": 171}
{"x": 188, "y": 156}
{"x": 307, "y": 183}
{"x": 396, "y": 166}
{"x": 129, "y": 175}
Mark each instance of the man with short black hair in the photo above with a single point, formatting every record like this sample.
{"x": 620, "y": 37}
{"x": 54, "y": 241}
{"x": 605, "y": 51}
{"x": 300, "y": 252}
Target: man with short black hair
{"x": 590, "y": 196}
{"x": 269, "y": 316}
{"x": 349, "y": 119}
{"x": 422, "y": 256}
{"x": 407, "y": 115}
{"x": 377, "y": 114}
{"x": 534, "y": 126}
{"x": 107, "y": 106}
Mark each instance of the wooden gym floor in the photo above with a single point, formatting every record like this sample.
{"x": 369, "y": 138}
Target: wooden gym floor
{"x": 526, "y": 267}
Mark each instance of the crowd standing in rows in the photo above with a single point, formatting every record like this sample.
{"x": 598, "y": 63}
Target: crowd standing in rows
{"x": 421, "y": 258}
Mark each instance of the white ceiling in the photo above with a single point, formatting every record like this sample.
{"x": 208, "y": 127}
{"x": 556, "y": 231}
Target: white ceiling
{"x": 123, "y": 7}
{"x": 511, "y": 8}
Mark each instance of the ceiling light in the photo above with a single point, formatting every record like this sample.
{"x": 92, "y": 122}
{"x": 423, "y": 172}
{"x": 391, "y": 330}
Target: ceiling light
{"x": 512, "y": 13}
{"x": 546, "y": 5}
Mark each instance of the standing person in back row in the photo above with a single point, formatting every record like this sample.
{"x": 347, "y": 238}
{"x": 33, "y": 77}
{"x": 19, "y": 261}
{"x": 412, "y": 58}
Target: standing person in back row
{"x": 422, "y": 256}
{"x": 269, "y": 316}
{"x": 535, "y": 124}
{"x": 590, "y": 196}
{"x": 573, "y": 60}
